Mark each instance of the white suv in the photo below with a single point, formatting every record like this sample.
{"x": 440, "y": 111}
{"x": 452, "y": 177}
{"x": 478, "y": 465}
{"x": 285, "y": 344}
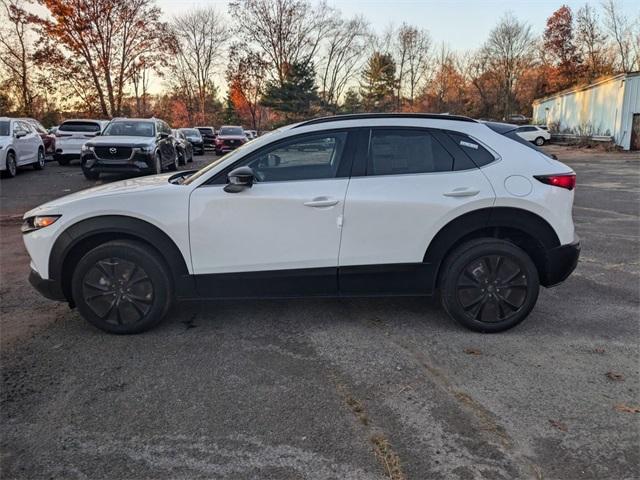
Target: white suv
{"x": 355, "y": 205}
{"x": 20, "y": 145}
{"x": 71, "y": 135}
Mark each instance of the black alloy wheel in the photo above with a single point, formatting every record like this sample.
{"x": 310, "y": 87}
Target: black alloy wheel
{"x": 489, "y": 285}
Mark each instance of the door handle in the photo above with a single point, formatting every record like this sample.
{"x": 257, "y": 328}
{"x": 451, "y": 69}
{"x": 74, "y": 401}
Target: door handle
{"x": 319, "y": 202}
{"x": 461, "y": 192}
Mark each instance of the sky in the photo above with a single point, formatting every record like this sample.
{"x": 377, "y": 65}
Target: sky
{"x": 461, "y": 24}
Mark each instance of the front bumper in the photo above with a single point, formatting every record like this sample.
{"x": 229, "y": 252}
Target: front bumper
{"x": 47, "y": 288}
{"x": 560, "y": 262}
{"x": 138, "y": 163}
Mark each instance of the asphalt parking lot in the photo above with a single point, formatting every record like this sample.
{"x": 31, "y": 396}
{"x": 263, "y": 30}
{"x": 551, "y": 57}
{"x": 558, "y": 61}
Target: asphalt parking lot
{"x": 344, "y": 389}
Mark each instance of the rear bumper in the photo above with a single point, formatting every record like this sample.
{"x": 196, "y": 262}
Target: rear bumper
{"x": 560, "y": 262}
{"x": 47, "y": 288}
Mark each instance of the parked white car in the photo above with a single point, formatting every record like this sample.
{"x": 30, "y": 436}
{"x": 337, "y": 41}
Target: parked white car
{"x": 534, "y": 133}
{"x": 353, "y": 205}
{"x": 72, "y": 134}
{"x": 20, "y": 145}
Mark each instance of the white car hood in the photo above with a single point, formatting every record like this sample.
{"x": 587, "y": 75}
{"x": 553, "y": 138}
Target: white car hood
{"x": 124, "y": 187}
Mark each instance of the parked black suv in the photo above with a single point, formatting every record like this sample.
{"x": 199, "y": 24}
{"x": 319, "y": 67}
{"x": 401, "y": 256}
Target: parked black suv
{"x": 195, "y": 138}
{"x": 208, "y": 136}
{"x": 130, "y": 145}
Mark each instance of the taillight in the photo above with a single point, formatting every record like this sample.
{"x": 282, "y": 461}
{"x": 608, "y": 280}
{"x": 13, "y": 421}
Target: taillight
{"x": 565, "y": 180}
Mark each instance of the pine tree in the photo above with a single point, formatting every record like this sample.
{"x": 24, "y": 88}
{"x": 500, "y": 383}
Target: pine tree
{"x": 378, "y": 83}
{"x": 297, "y": 94}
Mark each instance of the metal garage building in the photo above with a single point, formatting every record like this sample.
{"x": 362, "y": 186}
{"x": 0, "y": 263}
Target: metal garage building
{"x": 608, "y": 107}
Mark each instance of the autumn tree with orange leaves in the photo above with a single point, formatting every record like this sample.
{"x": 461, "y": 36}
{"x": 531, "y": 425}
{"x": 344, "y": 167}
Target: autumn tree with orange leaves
{"x": 95, "y": 46}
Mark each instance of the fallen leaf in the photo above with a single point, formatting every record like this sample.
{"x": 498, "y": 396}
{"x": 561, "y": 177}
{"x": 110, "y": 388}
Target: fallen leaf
{"x": 615, "y": 376}
{"x": 622, "y": 407}
{"x": 599, "y": 350}
{"x": 558, "y": 424}
{"x": 472, "y": 351}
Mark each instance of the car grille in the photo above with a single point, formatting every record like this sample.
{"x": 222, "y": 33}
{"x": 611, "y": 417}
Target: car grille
{"x": 113, "y": 153}
{"x": 232, "y": 143}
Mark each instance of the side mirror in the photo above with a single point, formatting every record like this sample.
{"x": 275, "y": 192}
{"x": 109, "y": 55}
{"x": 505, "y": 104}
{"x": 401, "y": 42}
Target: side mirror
{"x": 98, "y": 134}
{"x": 239, "y": 179}
{"x": 20, "y": 134}
{"x": 163, "y": 135}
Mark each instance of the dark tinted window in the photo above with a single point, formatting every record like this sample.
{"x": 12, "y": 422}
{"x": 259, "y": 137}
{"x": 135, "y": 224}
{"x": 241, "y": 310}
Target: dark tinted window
{"x": 130, "y": 128}
{"x": 4, "y": 129}
{"x": 527, "y": 129}
{"x": 311, "y": 157}
{"x": 231, "y": 131}
{"x": 397, "y": 152}
{"x": 476, "y": 152}
{"x": 79, "y": 127}
{"x": 206, "y": 131}
{"x": 192, "y": 132}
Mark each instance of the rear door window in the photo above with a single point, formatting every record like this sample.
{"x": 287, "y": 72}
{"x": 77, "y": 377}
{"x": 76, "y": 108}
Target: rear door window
{"x": 402, "y": 152}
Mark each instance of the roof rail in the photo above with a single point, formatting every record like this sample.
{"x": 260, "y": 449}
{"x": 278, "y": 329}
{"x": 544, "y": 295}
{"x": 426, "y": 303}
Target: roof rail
{"x": 368, "y": 116}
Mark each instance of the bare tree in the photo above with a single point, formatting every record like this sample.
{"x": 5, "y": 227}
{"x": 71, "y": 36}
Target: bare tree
{"x": 591, "y": 41}
{"x": 412, "y": 48}
{"x": 287, "y": 31}
{"x": 620, "y": 30}
{"x": 509, "y": 50}
{"x": 16, "y": 58}
{"x": 201, "y": 35}
{"x": 343, "y": 56}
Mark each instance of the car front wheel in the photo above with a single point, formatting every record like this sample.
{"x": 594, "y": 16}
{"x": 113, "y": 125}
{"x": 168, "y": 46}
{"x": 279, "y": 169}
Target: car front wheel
{"x": 539, "y": 141}
{"x": 489, "y": 285}
{"x": 12, "y": 166}
{"x": 122, "y": 286}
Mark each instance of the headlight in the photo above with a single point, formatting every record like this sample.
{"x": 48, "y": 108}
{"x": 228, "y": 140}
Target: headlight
{"x": 36, "y": 223}
{"x": 87, "y": 148}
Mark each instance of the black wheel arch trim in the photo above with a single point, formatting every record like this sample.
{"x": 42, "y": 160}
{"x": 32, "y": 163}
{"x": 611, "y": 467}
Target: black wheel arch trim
{"x": 128, "y": 227}
{"x": 485, "y": 219}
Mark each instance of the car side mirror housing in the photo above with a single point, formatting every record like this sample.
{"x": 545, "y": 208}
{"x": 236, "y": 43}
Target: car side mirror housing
{"x": 163, "y": 135}
{"x": 239, "y": 179}
{"x": 20, "y": 134}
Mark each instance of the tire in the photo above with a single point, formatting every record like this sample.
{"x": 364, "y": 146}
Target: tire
{"x": 122, "y": 286}
{"x": 63, "y": 162}
{"x": 158, "y": 164}
{"x": 39, "y": 164}
{"x": 472, "y": 279}
{"x": 12, "y": 167}
{"x": 539, "y": 141}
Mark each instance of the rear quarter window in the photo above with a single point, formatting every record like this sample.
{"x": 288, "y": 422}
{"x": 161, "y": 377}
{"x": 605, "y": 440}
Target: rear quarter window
{"x": 476, "y": 152}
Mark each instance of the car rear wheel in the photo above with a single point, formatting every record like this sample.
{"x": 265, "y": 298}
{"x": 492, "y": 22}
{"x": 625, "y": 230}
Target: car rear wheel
{"x": 539, "y": 141}
{"x": 489, "y": 285}
{"x": 122, "y": 286}
{"x": 40, "y": 162}
{"x": 12, "y": 166}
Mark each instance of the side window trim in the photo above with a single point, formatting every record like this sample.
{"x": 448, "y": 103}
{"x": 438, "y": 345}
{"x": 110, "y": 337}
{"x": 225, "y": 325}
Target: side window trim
{"x": 342, "y": 172}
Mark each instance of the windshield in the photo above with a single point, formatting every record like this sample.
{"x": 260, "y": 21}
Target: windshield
{"x": 231, "y": 131}
{"x": 190, "y": 132}
{"x": 4, "y": 129}
{"x": 79, "y": 127}
{"x": 206, "y": 131}
{"x": 129, "y": 129}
